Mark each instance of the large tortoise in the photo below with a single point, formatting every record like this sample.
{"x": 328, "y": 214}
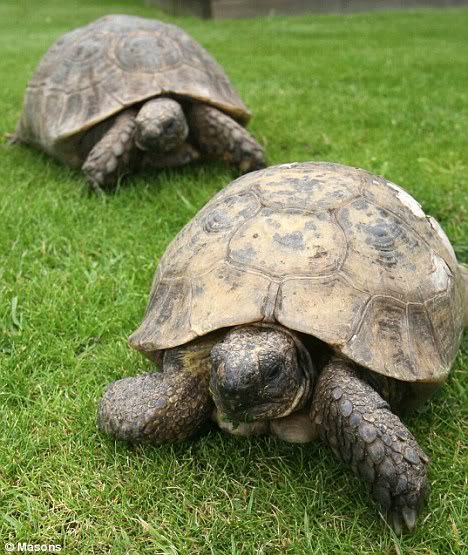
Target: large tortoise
{"x": 126, "y": 91}
{"x": 304, "y": 299}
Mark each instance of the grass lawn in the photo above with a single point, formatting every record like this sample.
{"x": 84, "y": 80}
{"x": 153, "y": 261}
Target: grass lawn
{"x": 383, "y": 91}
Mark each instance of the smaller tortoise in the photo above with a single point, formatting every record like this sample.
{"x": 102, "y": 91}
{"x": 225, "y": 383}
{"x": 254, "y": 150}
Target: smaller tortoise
{"x": 124, "y": 92}
{"x": 305, "y": 299}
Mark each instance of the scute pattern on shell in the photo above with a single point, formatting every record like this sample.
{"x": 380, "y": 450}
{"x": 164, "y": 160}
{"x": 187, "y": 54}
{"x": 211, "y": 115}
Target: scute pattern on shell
{"x": 327, "y": 250}
{"x": 95, "y": 71}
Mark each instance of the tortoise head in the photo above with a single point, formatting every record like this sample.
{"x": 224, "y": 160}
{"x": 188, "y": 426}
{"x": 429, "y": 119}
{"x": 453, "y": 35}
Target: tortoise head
{"x": 260, "y": 372}
{"x": 160, "y": 125}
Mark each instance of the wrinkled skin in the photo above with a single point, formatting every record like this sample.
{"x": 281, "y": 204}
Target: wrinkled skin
{"x": 259, "y": 379}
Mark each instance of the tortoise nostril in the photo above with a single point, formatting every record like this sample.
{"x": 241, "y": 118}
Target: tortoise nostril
{"x": 169, "y": 125}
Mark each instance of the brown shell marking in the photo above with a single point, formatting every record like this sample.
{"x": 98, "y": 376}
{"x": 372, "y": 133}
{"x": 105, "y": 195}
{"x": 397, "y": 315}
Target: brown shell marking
{"x": 327, "y": 250}
{"x": 95, "y": 71}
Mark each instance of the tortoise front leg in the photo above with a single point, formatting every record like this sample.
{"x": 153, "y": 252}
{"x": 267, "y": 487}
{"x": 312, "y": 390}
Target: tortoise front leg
{"x": 114, "y": 154}
{"x": 364, "y": 433}
{"x": 219, "y": 137}
{"x": 160, "y": 407}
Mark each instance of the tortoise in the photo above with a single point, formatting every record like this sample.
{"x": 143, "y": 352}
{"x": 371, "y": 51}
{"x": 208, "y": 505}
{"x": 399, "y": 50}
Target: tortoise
{"x": 304, "y": 300}
{"x": 124, "y": 92}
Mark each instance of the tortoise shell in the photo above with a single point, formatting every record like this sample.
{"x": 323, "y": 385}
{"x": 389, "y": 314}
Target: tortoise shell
{"x": 331, "y": 251}
{"x": 95, "y": 71}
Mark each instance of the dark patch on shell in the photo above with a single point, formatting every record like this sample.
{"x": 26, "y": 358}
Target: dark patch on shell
{"x": 244, "y": 255}
{"x": 216, "y": 221}
{"x": 361, "y": 204}
{"x": 293, "y": 240}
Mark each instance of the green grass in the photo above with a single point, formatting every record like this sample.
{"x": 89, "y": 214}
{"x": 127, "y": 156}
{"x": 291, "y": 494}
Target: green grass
{"x": 384, "y": 91}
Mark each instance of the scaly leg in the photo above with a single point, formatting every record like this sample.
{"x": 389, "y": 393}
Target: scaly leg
{"x": 219, "y": 137}
{"x": 364, "y": 433}
{"x": 114, "y": 154}
{"x": 160, "y": 407}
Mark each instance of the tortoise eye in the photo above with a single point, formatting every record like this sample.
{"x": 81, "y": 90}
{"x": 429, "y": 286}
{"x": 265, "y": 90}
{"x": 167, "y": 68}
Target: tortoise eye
{"x": 273, "y": 370}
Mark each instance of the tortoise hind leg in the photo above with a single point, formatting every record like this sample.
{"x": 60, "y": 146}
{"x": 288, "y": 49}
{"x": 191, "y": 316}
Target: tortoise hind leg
{"x": 363, "y": 432}
{"x": 160, "y": 407}
{"x": 113, "y": 155}
{"x": 219, "y": 137}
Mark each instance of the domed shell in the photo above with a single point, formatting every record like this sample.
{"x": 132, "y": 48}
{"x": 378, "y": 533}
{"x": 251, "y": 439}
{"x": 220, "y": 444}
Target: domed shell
{"x": 327, "y": 250}
{"x": 95, "y": 71}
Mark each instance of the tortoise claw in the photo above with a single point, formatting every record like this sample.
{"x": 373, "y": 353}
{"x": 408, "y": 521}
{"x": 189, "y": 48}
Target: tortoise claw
{"x": 95, "y": 187}
{"x": 403, "y": 519}
{"x": 396, "y": 523}
{"x": 410, "y": 516}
